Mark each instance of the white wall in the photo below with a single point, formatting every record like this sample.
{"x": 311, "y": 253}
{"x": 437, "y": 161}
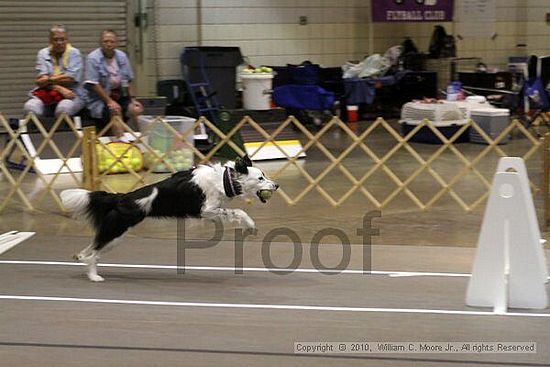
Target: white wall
{"x": 517, "y": 22}
{"x": 267, "y": 31}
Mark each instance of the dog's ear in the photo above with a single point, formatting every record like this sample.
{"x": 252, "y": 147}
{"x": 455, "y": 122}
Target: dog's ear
{"x": 247, "y": 160}
{"x": 242, "y": 164}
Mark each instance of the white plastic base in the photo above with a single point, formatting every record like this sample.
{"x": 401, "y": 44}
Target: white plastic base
{"x": 9, "y": 239}
{"x": 292, "y": 148}
{"x": 510, "y": 266}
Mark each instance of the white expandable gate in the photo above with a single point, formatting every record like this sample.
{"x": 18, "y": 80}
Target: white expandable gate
{"x": 51, "y": 166}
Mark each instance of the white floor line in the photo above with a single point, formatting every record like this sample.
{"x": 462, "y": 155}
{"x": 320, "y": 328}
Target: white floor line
{"x": 266, "y": 306}
{"x": 232, "y": 269}
{"x": 11, "y": 239}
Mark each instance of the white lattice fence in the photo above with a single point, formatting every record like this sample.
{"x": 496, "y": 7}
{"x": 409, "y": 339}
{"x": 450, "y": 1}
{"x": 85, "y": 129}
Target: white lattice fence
{"x": 359, "y": 141}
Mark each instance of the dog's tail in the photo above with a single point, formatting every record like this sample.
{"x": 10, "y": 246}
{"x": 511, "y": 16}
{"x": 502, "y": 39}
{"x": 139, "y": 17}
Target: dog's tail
{"x": 76, "y": 201}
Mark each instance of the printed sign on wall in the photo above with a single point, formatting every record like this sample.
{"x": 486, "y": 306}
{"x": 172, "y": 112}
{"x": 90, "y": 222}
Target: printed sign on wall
{"x": 476, "y": 18}
{"x": 412, "y": 10}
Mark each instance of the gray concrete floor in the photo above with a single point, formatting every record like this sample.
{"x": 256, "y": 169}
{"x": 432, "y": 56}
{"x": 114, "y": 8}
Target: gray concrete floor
{"x": 209, "y": 316}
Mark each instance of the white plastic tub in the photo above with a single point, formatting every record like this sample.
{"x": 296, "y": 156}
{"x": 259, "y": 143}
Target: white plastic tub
{"x": 163, "y": 141}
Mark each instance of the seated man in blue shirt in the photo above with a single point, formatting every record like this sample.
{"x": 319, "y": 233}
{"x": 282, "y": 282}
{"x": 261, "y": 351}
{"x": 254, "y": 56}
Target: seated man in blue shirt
{"x": 109, "y": 84}
{"x": 59, "y": 69}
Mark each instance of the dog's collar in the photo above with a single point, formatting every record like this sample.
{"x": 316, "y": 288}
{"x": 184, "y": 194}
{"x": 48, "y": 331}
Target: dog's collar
{"x": 230, "y": 185}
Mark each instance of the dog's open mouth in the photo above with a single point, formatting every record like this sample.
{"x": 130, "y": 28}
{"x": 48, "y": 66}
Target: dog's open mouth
{"x": 264, "y": 195}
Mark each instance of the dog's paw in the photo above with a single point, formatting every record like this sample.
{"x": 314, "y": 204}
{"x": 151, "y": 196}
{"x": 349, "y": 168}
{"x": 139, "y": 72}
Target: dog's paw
{"x": 249, "y": 224}
{"x": 96, "y": 278}
{"x": 245, "y": 219}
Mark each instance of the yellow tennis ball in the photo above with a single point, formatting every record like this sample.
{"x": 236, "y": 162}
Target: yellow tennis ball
{"x": 266, "y": 194}
{"x": 135, "y": 162}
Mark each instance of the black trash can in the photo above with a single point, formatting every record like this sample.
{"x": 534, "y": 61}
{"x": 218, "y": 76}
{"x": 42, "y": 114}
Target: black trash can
{"x": 219, "y": 64}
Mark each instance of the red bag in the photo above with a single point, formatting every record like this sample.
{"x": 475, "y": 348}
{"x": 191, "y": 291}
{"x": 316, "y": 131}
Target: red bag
{"x": 48, "y": 96}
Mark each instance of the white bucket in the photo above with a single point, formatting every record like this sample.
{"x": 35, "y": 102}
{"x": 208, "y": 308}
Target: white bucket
{"x": 257, "y": 91}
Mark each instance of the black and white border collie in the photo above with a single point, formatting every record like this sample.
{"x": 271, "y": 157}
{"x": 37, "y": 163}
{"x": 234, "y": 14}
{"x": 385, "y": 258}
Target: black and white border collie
{"x": 197, "y": 193}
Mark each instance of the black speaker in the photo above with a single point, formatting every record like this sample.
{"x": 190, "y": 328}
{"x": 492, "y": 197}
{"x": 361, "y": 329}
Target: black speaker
{"x": 174, "y": 90}
{"x": 545, "y": 72}
{"x": 532, "y": 65}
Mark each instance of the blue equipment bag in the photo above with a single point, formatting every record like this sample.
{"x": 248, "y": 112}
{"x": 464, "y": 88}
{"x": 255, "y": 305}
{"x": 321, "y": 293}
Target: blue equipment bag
{"x": 534, "y": 89}
{"x": 303, "y": 97}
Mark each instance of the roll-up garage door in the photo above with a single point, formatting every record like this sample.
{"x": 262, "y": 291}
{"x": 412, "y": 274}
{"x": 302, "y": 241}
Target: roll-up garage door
{"x": 24, "y": 29}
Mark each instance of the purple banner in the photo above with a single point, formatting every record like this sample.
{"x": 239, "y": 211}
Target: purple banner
{"x": 412, "y": 10}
